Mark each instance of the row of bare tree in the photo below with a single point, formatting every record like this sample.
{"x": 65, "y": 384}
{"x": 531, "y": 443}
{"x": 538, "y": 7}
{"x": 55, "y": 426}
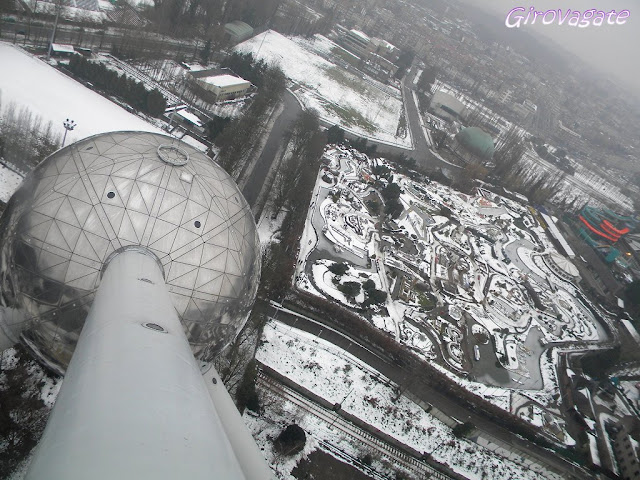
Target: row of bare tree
{"x": 201, "y": 17}
{"x": 240, "y": 136}
{"x": 292, "y": 192}
{"x": 25, "y": 138}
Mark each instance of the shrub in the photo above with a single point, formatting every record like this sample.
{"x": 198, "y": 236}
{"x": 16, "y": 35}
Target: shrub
{"x": 335, "y": 134}
{"x": 350, "y": 289}
{"x": 246, "y": 395}
{"x": 156, "y": 103}
{"x": 376, "y": 297}
{"x": 291, "y": 440}
{"x": 463, "y": 429}
{"x": 426, "y": 301}
{"x": 367, "y": 459}
{"x": 339, "y": 268}
{"x": 373, "y": 206}
{"x": 369, "y": 285}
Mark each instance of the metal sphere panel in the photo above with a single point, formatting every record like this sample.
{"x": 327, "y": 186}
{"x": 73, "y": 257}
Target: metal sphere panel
{"x": 115, "y": 190}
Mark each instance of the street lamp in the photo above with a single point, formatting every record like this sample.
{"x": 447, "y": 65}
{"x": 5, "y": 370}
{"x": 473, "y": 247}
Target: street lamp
{"x": 337, "y": 407}
{"x": 68, "y": 126}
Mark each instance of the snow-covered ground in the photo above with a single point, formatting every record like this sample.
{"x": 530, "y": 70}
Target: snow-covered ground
{"x": 9, "y": 183}
{"x": 340, "y": 97}
{"x": 366, "y": 394}
{"x": 269, "y": 226}
{"x": 30, "y": 417}
{"x": 29, "y": 82}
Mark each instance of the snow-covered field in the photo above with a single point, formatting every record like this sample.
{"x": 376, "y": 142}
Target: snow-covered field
{"x": 268, "y": 226}
{"x": 29, "y": 82}
{"x": 339, "y": 97}
{"x": 9, "y": 183}
{"x": 26, "y": 378}
{"x": 366, "y": 394}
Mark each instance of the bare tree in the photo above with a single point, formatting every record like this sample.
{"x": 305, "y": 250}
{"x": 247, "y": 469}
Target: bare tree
{"x": 508, "y": 153}
{"x": 287, "y": 176}
{"x": 26, "y": 138}
{"x": 232, "y": 362}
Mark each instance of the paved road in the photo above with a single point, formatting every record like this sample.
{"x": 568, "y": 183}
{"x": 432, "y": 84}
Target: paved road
{"x": 408, "y": 380}
{"x": 421, "y": 149}
{"x": 277, "y": 136}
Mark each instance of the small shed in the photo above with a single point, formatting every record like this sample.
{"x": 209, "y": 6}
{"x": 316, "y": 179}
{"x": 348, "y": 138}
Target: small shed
{"x": 62, "y": 50}
{"x": 238, "y": 31}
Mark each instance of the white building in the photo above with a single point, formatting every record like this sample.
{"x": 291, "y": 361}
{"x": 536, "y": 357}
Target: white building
{"x": 446, "y": 106}
{"x": 221, "y": 87}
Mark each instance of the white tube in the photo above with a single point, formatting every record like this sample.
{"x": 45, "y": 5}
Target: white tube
{"x": 133, "y": 404}
{"x": 246, "y": 451}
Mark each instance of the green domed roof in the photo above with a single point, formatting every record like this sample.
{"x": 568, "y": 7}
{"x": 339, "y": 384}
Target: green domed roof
{"x": 477, "y": 141}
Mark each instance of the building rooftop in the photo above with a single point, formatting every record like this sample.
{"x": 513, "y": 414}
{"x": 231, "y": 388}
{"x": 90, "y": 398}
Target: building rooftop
{"x": 383, "y": 43}
{"x": 361, "y": 35}
{"x": 564, "y": 264}
{"x": 62, "y": 48}
{"x": 477, "y": 141}
{"x": 238, "y": 28}
{"x": 190, "y": 117}
{"x": 225, "y": 80}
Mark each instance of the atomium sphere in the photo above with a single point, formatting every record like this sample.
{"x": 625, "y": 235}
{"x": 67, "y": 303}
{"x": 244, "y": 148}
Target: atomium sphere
{"x": 120, "y": 190}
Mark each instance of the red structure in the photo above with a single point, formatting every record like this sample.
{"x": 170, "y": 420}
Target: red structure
{"x": 597, "y": 223}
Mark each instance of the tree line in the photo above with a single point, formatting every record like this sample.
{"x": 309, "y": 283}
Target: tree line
{"x": 537, "y": 184}
{"x": 25, "y": 138}
{"x": 207, "y": 17}
{"x": 178, "y": 17}
{"x": 239, "y": 136}
{"x": 293, "y": 188}
{"x": 247, "y": 67}
{"x": 131, "y": 91}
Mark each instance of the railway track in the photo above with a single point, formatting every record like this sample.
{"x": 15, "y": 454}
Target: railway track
{"x": 394, "y": 455}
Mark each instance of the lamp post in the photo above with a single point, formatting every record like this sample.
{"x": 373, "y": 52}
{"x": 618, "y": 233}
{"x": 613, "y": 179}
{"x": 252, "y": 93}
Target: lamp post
{"x": 338, "y": 406}
{"x": 68, "y": 126}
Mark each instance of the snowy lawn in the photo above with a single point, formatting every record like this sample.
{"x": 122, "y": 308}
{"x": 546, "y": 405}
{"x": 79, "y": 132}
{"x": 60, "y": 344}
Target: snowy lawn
{"x": 339, "y": 97}
{"x": 9, "y": 183}
{"x": 369, "y": 396}
{"x": 29, "y": 82}
{"x": 268, "y": 226}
